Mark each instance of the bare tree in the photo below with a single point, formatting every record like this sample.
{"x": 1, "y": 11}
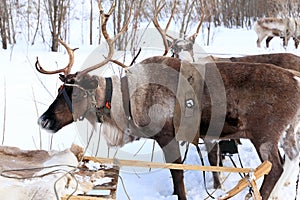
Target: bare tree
{"x": 38, "y": 12}
{"x": 122, "y": 12}
{"x": 3, "y": 23}
{"x": 28, "y": 16}
{"x": 56, "y": 11}
{"x": 91, "y": 22}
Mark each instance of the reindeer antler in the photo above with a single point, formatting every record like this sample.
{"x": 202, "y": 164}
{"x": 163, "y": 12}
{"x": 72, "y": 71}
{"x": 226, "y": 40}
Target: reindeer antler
{"x": 199, "y": 25}
{"x": 110, "y": 41}
{"x": 66, "y": 70}
{"x": 163, "y": 32}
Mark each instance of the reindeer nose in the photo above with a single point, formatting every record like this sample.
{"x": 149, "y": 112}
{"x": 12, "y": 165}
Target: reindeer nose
{"x": 45, "y": 123}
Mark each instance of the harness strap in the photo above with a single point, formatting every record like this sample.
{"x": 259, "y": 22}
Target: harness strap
{"x": 105, "y": 110}
{"x": 108, "y": 92}
{"x": 125, "y": 97}
{"x": 203, "y": 172}
{"x": 67, "y": 99}
{"x": 131, "y": 128}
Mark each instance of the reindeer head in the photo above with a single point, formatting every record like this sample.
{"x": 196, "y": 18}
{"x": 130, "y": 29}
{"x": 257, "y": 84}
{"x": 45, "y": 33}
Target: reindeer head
{"x": 75, "y": 100}
{"x": 176, "y": 45}
{"x": 80, "y": 95}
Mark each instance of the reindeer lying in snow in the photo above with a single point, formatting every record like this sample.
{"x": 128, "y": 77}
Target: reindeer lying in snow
{"x": 37, "y": 183}
{"x": 276, "y": 27}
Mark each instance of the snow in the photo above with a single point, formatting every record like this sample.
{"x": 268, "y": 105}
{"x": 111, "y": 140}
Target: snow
{"x": 22, "y": 86}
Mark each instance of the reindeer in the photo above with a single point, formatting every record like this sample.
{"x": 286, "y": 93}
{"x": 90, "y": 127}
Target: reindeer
{"x": 260, "y": 110}
{"x": 176, "y": 45}
{"x": 276, "y": 27}
{"x": 262, "y": 101}
{"x": 42, "y": 168}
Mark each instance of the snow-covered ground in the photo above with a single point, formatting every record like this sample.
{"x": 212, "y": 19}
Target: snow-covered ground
{"x": 28, "y": 94}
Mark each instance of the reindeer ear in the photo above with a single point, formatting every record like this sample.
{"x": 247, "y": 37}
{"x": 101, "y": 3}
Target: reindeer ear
{"x": 89, "y": 82}
{"x": 70, "y": 78}
{"x": 193, "y": 38}
{"x": 62, "y": 77}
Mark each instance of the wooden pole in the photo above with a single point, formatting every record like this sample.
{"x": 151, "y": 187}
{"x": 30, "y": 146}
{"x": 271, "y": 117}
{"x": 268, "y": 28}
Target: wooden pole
{"x": 134, "y": 163}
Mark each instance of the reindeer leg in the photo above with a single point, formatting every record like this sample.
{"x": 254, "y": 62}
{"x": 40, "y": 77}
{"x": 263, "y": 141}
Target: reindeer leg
{"x": 285, "y": 41}
{"x": 269, "y": 151}
{"x": 258, "y": 43}
{"x": 296, "y": 42}
{"x": 215, "y": 159}
{"x": 172, "y": 154}
{"x": 260, "y": 39}
{"x": 268, "y": 41}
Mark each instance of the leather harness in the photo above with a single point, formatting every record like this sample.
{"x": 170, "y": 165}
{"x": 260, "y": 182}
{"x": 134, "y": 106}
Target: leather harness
{"x": 125, "y": 97}
{"x": 108, "y": 98}
{"x": 131, "y": 128}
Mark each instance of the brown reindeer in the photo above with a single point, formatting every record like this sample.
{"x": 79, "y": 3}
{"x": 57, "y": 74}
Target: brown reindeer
{"x": 276, "y": 27}
{"x": 262, "y": 101}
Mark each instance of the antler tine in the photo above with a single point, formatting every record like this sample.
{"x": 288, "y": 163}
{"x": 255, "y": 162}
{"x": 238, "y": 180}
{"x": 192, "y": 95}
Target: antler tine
{"x": 172, "y": 15}
{"x": 163, "y": 32}
{"x": 66, "y": 70}
{"x": 110, "y": 41}
{"x": 40, "y": 69}
{"x": 200, "y": 23}
{"x": 71, "y": 56}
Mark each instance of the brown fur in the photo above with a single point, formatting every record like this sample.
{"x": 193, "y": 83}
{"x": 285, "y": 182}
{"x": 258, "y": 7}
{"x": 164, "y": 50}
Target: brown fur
{"x": 284, "y": 60}
{"x": 262, "y": 101}
{"x": 28, "y": 159}
{"x": 23, "y": 159}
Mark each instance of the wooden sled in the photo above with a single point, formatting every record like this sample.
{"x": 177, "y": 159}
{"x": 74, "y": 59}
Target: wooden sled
{"x": 106, "y": 191}
{"x": 249, "y": 180}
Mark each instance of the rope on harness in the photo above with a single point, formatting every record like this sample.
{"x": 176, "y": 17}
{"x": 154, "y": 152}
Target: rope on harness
{"x": 204, "y": 177}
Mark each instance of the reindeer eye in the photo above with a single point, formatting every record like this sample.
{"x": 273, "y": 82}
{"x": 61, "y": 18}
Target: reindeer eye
{"x": 75, "y": 94}
{"x": 78, "y": 94}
